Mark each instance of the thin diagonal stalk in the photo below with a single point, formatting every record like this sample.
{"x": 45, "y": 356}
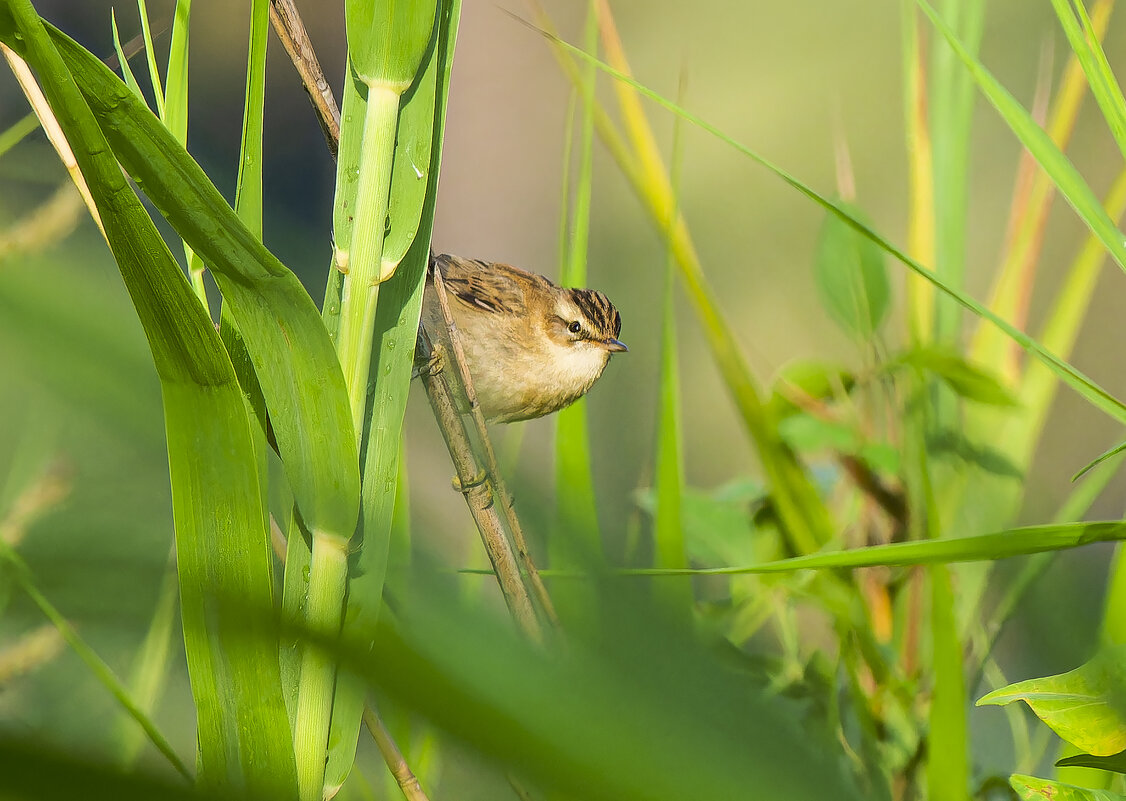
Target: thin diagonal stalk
{"x": 473, "y": 483}
{"x": 492, "y": 471}
{"x": 291, "y": 31}
{"x": 396, "y": 763}
{"x": 94, "y": 662}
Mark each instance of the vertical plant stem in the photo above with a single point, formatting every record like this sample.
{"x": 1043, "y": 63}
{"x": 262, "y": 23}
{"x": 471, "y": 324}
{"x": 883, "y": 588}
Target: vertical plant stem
{"x": 328, "y": 576}
{"x": 291, "y": 31}
{"x": 361, "y": 282}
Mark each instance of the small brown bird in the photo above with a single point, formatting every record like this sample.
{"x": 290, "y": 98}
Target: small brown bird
{"x": 531, "y": 347}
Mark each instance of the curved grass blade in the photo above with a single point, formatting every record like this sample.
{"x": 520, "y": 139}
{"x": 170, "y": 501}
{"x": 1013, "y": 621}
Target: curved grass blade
{"x": 1087, "y": 388}
{"x": 225, "y": 586}
{"x": 983, "y": 547}
{"x": 807, "y": 521}
{"x": 293, "y": 356}
{"x": 1071, "y": 184}
{"x": 1085, "y": 41}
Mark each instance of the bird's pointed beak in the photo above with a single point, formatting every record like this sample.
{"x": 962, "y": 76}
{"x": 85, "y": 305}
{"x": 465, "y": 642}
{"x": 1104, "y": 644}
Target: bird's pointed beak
{"x": 615, "y": 346}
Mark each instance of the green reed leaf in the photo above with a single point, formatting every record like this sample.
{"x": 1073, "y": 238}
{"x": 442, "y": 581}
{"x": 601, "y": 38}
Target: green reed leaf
{"x": 293, "y": 356}
{"x": 225, "y": 583}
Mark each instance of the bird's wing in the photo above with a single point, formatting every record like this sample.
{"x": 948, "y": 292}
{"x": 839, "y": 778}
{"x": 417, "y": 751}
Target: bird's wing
{"x": 495, "y": 288}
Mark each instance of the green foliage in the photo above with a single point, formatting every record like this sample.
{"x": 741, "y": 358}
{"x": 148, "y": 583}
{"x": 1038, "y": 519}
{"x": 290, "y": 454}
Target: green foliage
{"x": 851, "y": 278}
{"x": 1029, "y": 788}
{"x": 387, "y": 41}
{"x": 966, "y": 380}
{"x": 838, "y": 586}
{"x": 1115, "y": 763}
{"x": 1086, "y": 706}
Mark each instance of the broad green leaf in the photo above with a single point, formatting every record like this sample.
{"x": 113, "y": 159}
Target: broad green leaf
{"x": 1029, "y": 788}
{"x": 222, "y": 550}
{"x": 387, "y": 40}
{"x": 1086, "y": 706}
{"x": 293, "y": 356}
{"x": 969, "y": 381}
{"x": 851, "y": 277}
{"x": 1115, "y": 763}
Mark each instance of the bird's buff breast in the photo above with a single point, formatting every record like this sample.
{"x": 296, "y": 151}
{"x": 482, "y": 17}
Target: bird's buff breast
{"x": 516, "y": 383}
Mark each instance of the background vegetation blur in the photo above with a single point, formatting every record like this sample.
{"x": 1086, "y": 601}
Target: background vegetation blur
{"x": 797, "y": 82}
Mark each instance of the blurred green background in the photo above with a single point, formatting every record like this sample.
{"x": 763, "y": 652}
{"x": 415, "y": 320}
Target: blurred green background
{"x": 77, "y": 387}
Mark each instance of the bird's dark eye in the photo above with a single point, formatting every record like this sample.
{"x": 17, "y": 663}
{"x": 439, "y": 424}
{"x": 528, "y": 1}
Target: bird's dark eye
{"x": 575, "y": 327}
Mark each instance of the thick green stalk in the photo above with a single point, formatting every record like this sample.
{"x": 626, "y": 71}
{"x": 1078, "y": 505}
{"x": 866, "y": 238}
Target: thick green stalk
{"x": 328, "y": 577}
{"x": 361, "y": 281}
